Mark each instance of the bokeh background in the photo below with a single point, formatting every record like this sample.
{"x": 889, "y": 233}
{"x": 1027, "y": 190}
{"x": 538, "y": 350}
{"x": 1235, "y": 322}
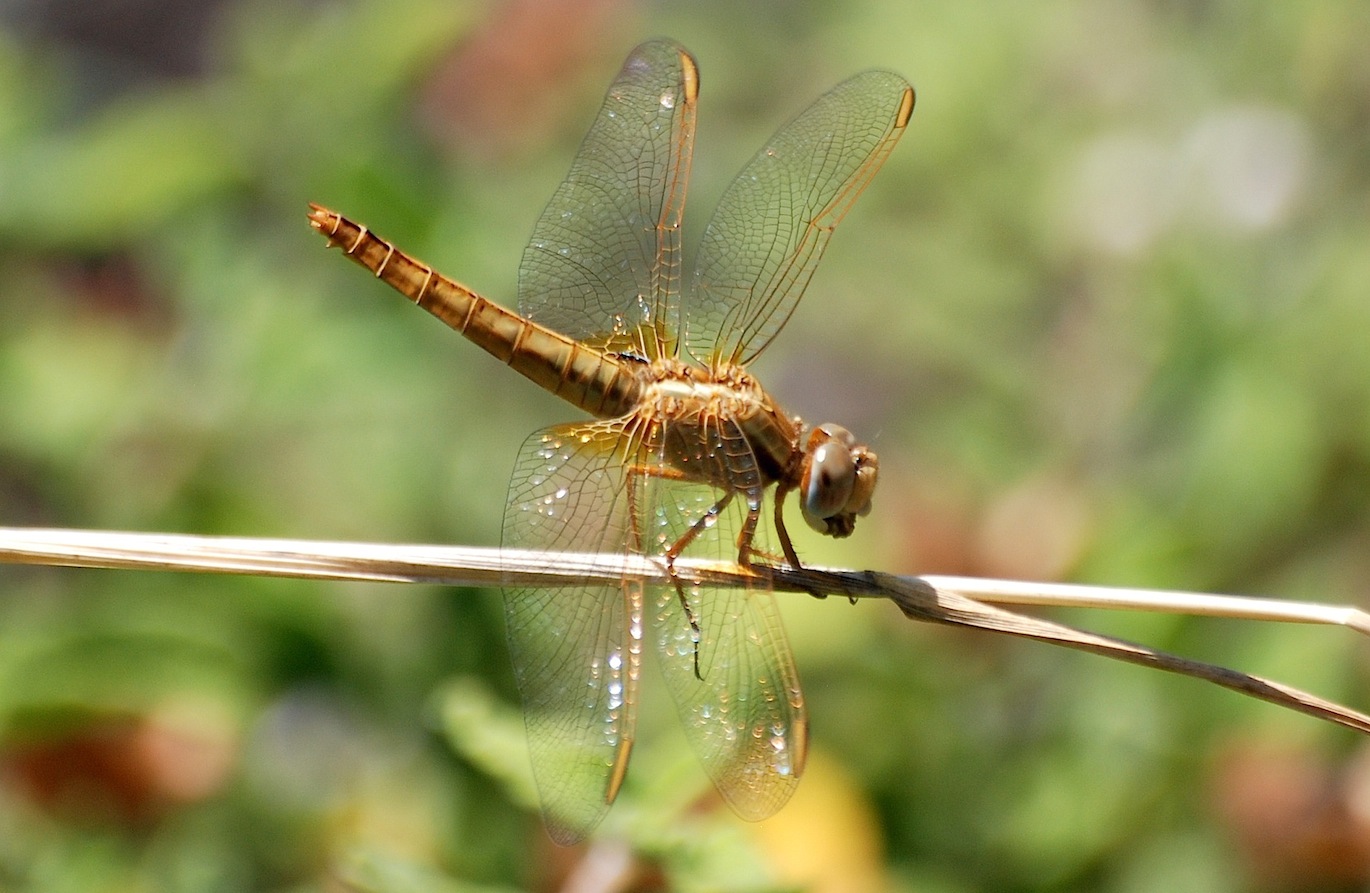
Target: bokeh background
{"x": 1105, "y": 315}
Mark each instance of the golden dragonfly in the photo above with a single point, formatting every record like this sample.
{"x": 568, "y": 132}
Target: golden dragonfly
{"x": 684, "y": 443}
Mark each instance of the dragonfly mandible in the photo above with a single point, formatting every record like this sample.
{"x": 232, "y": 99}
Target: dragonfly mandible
{"x": 684, "y": 443}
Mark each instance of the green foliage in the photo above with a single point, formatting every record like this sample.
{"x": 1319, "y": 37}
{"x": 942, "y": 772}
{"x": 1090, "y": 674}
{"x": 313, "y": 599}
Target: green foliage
{"x": 1119, "y": 262}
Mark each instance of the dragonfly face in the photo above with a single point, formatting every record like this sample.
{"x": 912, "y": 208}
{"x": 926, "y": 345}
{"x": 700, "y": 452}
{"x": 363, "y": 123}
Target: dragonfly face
{"x": 837, "y": 480}
{"x": 684, "y": 443}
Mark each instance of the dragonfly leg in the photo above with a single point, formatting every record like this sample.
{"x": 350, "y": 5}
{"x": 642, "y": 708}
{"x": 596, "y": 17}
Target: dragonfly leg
{"x": 746, "y": 538}
{"x": 675, "y": 551}
{"x": 786, "y": 544}
{"x": 678, "y": 547}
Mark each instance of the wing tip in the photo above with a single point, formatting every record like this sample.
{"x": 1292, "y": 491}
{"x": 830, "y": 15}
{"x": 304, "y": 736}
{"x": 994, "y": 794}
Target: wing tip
{"x": 906, "y": 101}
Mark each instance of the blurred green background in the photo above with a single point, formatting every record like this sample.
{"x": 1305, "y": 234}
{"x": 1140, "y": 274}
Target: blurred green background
{"x": 1104, "y": 315}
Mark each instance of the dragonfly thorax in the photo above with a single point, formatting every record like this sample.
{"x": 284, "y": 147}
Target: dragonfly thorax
{"x": 676, "y": 387}
{"x": 834, "y": 474}
{"x": 716, "y": 408}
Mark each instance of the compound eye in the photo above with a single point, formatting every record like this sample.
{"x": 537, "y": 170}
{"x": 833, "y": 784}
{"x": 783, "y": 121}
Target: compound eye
{"x": 829, "y": 476}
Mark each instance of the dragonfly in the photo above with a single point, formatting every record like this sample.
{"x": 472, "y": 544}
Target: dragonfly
{"x": 684, "y": 443}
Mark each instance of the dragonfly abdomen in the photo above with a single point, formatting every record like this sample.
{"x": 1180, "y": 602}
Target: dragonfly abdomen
{"x": 599, "y": 383}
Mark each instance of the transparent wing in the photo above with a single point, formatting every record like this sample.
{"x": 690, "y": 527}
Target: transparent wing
{"x": 576, "y": 650}
{"x": 644, "y": 484}
{"x": 738, "y": 698}
{"x": 765, "y": 239}
{"x": 604, "y": 258}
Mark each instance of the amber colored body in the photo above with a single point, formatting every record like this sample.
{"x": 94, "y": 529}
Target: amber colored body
{"x": 680, "y": 395}
{"x": 684, "y": 443}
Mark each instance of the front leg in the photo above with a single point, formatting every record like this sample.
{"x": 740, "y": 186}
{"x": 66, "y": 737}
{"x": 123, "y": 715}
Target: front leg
{"x": 786, "y": 545}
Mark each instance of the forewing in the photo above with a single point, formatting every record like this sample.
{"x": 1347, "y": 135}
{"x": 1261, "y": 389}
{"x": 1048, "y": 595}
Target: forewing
{"x": 604, "y": 259}
{"x": 576, "y": 650}
{"x": 765, "y": 239}
{"x": 723, "y": 650}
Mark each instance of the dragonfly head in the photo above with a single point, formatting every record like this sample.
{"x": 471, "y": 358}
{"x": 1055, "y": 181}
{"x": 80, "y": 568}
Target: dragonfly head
{"x": 838, "y": 478}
